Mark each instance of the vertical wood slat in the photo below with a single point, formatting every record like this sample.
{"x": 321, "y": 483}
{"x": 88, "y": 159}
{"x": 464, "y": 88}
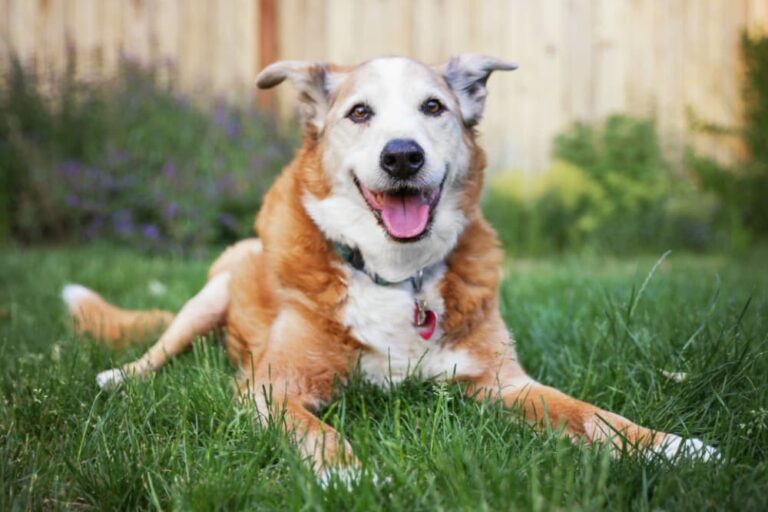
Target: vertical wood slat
{"x": 248, "y": 47}
{"x": 5, "y": 36}
{"x": 516, "y": 107}
{"x": 19, "y": 17}
{"x": 580, "y": 59}
{"x": 164, "y": 32}
{"x": 268, "y": 27}
{"x": 52, "y": 38}
{"x": 268, "y": 44}
{"x": 757, "y": 17}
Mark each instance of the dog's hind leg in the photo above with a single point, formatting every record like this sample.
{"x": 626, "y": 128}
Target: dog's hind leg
{"x": 201, "y": 314}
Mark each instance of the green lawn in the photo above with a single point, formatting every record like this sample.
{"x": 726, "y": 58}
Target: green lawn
{"x": 179, "y": 441}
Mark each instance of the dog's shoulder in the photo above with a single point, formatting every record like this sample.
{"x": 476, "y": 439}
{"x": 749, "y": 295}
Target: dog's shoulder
{"x": 298, "y": 253}
{"x": 470, "y": 285}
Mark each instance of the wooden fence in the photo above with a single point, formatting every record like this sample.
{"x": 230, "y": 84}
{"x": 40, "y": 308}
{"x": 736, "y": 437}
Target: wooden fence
{"x": 675, "y": 60}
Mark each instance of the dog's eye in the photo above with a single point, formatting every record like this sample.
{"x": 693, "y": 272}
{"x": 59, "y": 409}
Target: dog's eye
{"x": 432, "y": 107}
{"x": 360, "y": 113}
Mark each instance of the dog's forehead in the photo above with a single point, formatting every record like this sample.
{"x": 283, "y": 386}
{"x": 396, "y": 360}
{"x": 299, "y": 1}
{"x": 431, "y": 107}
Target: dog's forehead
{"x": 395, "y": 73}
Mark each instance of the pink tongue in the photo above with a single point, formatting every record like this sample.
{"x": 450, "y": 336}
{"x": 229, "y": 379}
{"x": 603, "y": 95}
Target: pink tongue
{"x": 405, "y": 217}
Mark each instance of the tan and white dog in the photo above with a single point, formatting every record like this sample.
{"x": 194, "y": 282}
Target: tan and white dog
{"x": 373, "y": 254}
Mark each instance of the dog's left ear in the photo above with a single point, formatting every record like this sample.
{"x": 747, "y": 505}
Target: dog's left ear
{"x": 467, "y": 75}
{"x": 313, "y": 80}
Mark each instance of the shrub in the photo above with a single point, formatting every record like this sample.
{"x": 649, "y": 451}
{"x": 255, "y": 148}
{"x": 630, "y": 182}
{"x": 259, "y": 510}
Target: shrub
{"x": 743, "y": 187}
{"x": 609, "y": 189}
{"x": 551, "y": 214}
{"x": 129, "y": 159}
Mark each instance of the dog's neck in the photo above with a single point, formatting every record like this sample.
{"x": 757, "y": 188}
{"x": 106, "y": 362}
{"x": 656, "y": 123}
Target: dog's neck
{"x": 353, "y": 257}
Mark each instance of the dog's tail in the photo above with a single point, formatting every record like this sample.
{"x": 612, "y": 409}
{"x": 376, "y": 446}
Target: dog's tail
{"x": 95, "y": 317}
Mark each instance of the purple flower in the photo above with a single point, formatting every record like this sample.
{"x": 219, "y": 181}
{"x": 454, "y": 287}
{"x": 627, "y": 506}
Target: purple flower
{"x": 228, "y": 221}
{"x": 73, "y": 201}
{"x": 116, "y": 157}
{"x": 122, "y": 222}
{"x": 123, "y": 182}
{"x": 150, "y": 231}
{"x": 225, "y": 184}
{"x": 258, "y": 163}
{"x": 104, "y": 180}
{"x": 71, "y": 169}
{"x": 272, "y": 151}
{"x": 215, "y": 189}
{"x": 93, "y": 228}
{"x": 222, "y": 117}
{"x": 170, "y": 211}
{"x": 169, "y": 169}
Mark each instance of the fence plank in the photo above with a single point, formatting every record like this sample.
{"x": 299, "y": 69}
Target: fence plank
{"x": 580, "y": 59}
{"x": 757, "y": 17}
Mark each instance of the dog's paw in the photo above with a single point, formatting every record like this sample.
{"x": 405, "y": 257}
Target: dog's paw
{"x": 675, "y": 447}
{"x": 110, "y": 379}
{"x": 348, "y": 476}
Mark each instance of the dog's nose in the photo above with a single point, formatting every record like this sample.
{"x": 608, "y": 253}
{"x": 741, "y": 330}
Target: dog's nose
{"x": 402, "y": 158}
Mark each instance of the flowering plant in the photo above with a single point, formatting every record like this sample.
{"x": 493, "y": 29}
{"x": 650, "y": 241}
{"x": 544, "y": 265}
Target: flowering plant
{"x": 132, "y": 160}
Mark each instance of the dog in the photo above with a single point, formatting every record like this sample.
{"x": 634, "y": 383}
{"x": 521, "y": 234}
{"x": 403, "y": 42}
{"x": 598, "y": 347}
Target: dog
{"x": 372, "y": 256}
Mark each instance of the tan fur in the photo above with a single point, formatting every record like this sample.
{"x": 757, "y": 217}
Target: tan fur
{"x": 94, "y": 317}
{"x": 282, "y": 315}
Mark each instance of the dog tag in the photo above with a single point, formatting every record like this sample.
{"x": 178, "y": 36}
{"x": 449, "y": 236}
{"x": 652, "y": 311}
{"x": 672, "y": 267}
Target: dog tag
{"x": 424, "y": 320}
{"x": 421, "y": 312}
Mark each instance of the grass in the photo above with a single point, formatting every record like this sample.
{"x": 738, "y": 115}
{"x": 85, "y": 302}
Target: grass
{"x": 584, "y": 324}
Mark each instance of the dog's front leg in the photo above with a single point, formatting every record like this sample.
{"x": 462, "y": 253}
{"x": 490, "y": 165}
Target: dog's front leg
{"x": 317, "y": 441}
{"x": 546, "y": 406}
{"x": 296, "y": 369}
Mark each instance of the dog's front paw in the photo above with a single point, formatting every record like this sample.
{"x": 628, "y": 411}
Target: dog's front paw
{"x": 675, "y": 447}
{"x": 110, "y": 379}
{"x": 348, "y": 477}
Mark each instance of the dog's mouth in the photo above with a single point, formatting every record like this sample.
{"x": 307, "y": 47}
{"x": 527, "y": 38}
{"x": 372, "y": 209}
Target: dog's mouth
{"x": 404, "y": 212}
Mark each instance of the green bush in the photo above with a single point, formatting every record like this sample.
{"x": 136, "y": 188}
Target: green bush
{"x": 129, "y": 159}
{"x": 550, "y": 214}
{"x": 609, "y": 189}
{"x": 743, "y": 188}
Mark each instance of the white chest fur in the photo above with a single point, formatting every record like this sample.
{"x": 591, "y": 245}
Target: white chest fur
{"x": 380, "y": 317}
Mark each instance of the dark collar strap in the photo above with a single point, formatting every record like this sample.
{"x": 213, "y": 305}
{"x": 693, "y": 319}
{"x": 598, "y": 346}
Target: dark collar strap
{"x": 354, "y": 257}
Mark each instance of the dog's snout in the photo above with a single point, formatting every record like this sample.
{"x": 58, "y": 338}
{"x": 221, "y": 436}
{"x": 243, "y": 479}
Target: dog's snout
{"x": 402, "y": 158}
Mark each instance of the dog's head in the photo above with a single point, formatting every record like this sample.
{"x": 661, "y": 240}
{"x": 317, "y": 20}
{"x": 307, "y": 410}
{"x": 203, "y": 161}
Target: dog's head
{"x": 395, "y": 141}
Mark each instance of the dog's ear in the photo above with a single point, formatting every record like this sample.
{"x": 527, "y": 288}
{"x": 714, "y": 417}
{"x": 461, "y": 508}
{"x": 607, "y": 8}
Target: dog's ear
{"x": 467, "y": 75}
{"x": 313, "y": 81}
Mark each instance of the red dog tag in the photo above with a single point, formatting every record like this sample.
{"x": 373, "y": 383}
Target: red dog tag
{"x": 426, "y": 328}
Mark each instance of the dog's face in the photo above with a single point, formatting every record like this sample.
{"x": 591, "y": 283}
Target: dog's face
{"x": 395, "y": 145}
{"x": 393, "y": 139}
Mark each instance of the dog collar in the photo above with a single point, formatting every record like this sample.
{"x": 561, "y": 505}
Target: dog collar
{"x": 424, "y": 319}
{"x": 354, "y": 257}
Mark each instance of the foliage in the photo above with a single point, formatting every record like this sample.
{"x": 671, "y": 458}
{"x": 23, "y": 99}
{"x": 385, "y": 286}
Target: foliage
{"x": 179, "y": 440}
{"x": 743, "y": 188}
{"x": 756, "y": 98}
{"x": 610, "y": 189}
{"x": 129, "y": 159}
